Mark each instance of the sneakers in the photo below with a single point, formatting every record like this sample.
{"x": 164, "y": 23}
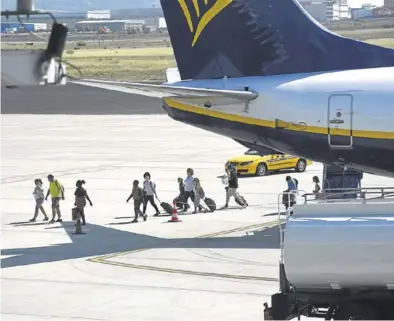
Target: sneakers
{"x": 157, "y": 214}
{"x": 134, "y": 221}
{"x": 59, "y": 220}
{"x": 32, "y": 220}
{"x": 46, "y": 218}
{"x": 224, "y": 207}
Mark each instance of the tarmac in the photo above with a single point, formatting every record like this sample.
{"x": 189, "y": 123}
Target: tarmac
{"x": 213, "y": 266}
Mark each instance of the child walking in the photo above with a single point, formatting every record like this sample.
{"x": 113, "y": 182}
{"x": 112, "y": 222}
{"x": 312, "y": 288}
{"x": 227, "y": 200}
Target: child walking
{"x": 39, "y": 196}
{"x": 81, "y": 195}
{"x": 317, "y": 189}
{"x": 149, "y": 189}
{"x": 138, "y": 196}
{"x": 198, "y": 196}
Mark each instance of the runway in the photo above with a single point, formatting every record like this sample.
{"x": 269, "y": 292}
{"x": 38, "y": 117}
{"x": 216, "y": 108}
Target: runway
{"x": 214, "y": 266}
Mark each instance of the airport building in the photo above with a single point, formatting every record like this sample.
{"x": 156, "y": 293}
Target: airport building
{"x": 112, "y": 25}
{"x": 161, "y": 23}
{"x": 389, "y": 3}
{"x": 327, "y": 10}
{"x": 16, "y": 27}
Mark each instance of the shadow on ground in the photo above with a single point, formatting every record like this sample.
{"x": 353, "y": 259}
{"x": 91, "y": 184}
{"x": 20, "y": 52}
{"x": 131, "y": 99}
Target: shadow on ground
{"x": 100, "y": 240}
{"x": 73, "y": 99}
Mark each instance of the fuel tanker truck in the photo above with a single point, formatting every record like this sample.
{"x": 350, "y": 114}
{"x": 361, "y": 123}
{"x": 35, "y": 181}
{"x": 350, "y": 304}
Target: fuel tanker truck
{"x": 337, "y": 257}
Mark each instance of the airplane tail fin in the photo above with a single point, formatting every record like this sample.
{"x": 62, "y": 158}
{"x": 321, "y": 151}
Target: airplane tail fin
{"x": 239, "y": 38}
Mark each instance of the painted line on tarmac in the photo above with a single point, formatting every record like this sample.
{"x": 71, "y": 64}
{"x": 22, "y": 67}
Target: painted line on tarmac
{"x": 187, "y": 272}
{"x": 105, "y": 258}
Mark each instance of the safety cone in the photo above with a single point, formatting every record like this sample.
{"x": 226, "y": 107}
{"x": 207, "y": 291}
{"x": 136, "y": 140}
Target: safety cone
{"x": 174, "y": 218}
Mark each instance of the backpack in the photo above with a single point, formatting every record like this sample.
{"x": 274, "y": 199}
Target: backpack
{"x": 296, "y": 182}
{"x": 60, "y": 186}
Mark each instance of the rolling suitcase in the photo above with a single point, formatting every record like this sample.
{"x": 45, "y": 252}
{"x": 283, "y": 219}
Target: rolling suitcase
{"x": 167, "y": 207}
{"x": 240, "y": 200}
{"x": 210, "y": 203}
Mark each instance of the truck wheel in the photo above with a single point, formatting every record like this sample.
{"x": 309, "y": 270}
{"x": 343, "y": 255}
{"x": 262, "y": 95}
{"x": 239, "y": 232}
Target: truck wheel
{"x": 261, "y": 169}
{"x": 357, "y": 311}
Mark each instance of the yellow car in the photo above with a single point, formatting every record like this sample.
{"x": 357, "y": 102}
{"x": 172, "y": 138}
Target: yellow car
{"x": 253, "y": 164}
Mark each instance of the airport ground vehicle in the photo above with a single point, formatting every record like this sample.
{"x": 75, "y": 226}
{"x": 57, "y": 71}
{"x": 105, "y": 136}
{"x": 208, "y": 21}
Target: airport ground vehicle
{"x": 253, "y": 163}
{"x": 336, "y": 255}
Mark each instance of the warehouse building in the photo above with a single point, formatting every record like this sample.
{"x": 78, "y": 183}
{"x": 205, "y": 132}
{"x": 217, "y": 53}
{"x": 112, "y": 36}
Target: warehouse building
{"x": 112, "y": 25}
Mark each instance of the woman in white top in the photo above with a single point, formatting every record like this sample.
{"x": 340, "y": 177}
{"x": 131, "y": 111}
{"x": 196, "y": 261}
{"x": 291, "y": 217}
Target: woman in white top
{"x": 39, "y": 196}
{"x": 149, "y": 189}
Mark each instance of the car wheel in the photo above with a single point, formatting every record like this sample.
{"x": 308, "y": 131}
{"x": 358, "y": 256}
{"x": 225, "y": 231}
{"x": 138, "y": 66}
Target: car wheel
{"x": 261, "y": 169}
{"x": 301, "y": 165}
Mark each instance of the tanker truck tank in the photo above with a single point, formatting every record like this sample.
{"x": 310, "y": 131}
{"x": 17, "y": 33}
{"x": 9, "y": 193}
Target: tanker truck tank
{"x": 337, "y": 258}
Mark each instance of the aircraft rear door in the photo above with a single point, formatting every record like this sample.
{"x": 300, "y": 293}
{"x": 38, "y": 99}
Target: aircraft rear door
{"x": 340, "y": 121}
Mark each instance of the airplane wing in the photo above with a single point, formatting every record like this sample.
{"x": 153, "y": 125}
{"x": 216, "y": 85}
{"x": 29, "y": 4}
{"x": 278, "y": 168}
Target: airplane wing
{"x": 241, "y": 95}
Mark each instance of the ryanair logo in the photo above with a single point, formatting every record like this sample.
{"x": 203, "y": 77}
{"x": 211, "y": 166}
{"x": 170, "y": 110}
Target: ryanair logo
{"x": 203, "y": 15}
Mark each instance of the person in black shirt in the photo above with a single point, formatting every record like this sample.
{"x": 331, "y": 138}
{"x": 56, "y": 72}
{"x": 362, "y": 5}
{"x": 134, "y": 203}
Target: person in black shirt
{"x": 231, "y": 189}
{"x": 81, "y": 195}
{"x": 180, "y": 200}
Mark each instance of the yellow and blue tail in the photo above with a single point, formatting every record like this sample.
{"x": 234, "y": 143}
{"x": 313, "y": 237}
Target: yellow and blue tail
{"x": 239, "y": 38}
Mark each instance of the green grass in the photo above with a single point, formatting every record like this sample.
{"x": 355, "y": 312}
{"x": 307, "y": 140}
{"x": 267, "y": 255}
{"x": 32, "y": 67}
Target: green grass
{"x": 385, "y": 42}
{"x": 364, "y": 32}
{"x": 121, "y": 64}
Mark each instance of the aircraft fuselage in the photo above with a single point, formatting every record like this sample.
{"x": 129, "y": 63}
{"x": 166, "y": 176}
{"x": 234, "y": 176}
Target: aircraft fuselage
{"x": 340, "y": 117}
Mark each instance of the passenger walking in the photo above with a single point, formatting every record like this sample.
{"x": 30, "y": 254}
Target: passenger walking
{"x": 39, "y": 197}
{"x": 81, "y": 195}
{"x": 198, "y": 196}
{"x": 56, "y": 190}
{"x": 188, "y": 183}
{"x": 289, "y": 196}
{"x": 149, "y": 189}
{"x": 231, "y": 189}
{"x": 317, "y": 187}
{"x": 180, "y": 200}
{"x": 291, "y": 184}
{"x": 137, "y": 195}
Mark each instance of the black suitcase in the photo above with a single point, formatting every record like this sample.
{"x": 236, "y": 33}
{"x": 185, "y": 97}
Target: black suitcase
{"x": 210, "y": 203}
{"x": 167, "y": 207}
{"x": 240, "y": 200}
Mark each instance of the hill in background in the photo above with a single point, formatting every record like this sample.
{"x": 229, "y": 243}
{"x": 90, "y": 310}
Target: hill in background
{"x": 84, "y": 5}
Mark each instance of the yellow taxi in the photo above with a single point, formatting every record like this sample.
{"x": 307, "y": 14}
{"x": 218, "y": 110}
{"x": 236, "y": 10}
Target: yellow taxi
{"x": 253, "y": 164}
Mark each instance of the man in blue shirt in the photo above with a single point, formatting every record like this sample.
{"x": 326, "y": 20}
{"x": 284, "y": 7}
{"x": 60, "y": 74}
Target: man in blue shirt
{"x": 290, "y": 199}
{"x": 291, "y": 184}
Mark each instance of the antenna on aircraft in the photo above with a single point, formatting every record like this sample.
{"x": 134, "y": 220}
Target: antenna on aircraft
{"x": 20, "y": 68}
